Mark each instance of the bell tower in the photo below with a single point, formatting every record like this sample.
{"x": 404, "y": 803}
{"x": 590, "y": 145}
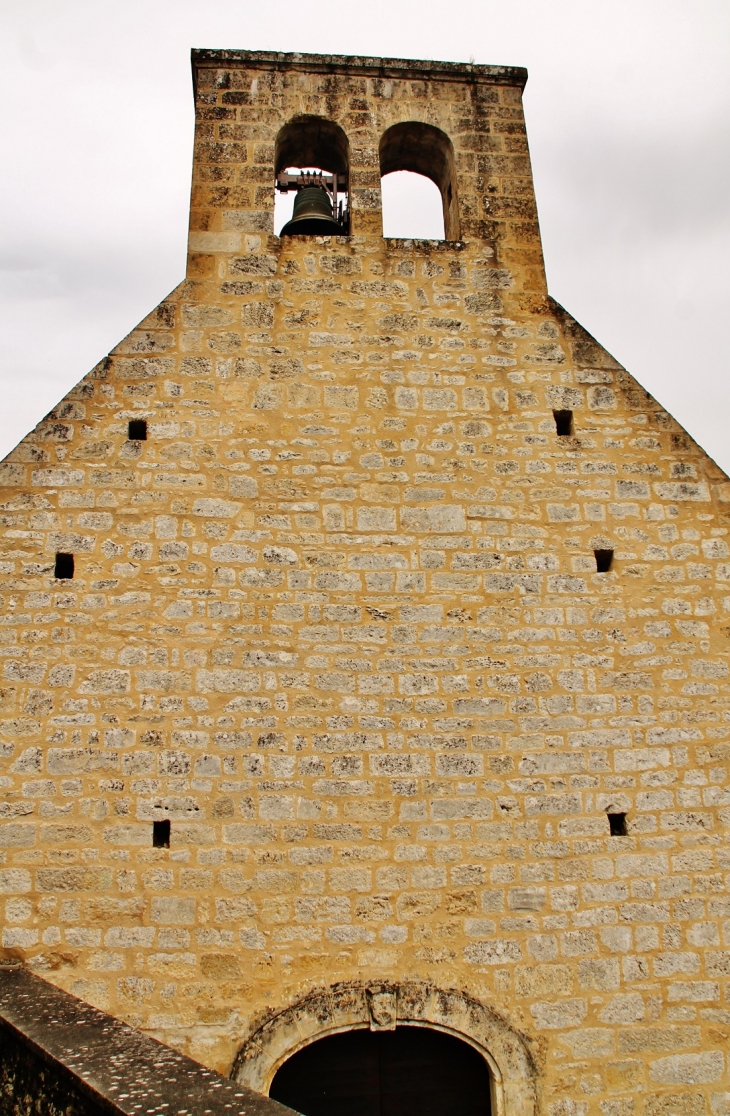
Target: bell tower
{"x": 358, "y": 119}
{"x": 364, "y": 702}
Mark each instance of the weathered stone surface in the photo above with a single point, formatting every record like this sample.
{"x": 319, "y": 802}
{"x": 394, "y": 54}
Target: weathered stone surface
{"x": 338, "y": 620}
{"x": 57, "y": 1055}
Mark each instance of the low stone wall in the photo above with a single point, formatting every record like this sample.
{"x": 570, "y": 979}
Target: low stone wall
{"x": 60, "y": 1057}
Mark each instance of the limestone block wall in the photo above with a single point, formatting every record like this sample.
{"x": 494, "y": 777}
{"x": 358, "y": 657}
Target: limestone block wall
{"x": 338, "y": 620}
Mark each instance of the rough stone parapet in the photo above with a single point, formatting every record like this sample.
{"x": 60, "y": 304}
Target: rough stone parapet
{"x": 58, "y": 1054}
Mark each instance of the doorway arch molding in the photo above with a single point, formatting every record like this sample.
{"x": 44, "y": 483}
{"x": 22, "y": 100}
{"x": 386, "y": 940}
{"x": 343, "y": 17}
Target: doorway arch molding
{"x": 382, "y": 1005}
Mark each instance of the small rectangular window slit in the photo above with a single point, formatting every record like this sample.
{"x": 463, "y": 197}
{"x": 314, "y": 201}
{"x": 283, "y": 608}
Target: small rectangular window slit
{"x": 604, "y": 560}
{"x": 563, "y": 423}
{"x": 64, "y": 567}
{"x": 137, "y": 430}
{"x": 617, "y": 824}
{"x": 161, "y": 834}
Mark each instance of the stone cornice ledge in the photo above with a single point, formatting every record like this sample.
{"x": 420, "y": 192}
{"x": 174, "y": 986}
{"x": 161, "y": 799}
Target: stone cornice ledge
{"x": 360, "y": 66}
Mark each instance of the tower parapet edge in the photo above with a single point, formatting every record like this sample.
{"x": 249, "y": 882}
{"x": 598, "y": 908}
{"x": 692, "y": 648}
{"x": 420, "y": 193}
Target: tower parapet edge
{"x": 336, "y": 706}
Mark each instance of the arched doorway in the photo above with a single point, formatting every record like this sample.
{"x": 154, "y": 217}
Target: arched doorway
{"x": 408, "y": 1071}
{"x": 327, "y": 1010}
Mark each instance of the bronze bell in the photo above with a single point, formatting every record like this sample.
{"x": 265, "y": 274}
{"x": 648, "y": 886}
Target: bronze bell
{"x": 312, "y": 214}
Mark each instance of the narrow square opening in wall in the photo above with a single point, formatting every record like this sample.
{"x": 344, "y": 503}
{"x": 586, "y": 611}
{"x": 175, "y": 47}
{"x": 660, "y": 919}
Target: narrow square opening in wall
{"x": 604, "y": 560}
{"x": 64, "y": 567}
{"x": 161, "y": 834}
{"x": 617, "y": 825}
{"x": 563, "y": 423}
{"x": 137, "y": 431}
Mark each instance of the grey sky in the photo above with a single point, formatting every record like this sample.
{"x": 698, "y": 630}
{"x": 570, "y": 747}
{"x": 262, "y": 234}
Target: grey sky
{"x": 628, "y": 112}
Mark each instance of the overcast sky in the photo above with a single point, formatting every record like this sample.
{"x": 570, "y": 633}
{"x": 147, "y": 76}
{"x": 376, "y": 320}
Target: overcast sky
{"x": 628, "y": 113}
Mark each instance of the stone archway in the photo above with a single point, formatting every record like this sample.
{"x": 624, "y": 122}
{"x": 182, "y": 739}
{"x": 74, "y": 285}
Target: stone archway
{"x": 382, "y": 1006}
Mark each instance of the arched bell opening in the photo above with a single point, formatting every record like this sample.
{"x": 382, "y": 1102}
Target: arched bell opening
{"x": 412, "y": 207}
{"x": 423, "y": 150}
{"x": 311, "y": 166}
{"x": 404, "y": 1071}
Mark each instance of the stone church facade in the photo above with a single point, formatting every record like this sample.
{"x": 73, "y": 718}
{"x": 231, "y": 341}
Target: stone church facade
{"x": 316, "y": 711}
